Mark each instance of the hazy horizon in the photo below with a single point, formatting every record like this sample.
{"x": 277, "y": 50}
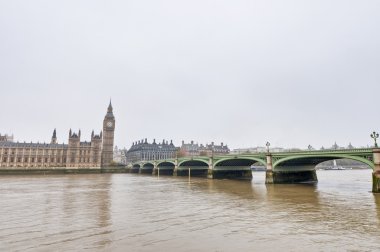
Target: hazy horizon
{"x": 243, "y": 73}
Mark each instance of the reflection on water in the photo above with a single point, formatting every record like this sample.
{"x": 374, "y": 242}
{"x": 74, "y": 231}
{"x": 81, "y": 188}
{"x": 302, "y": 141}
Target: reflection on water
{"x": 377, "y": 203}
{"x": 127, "y": 212}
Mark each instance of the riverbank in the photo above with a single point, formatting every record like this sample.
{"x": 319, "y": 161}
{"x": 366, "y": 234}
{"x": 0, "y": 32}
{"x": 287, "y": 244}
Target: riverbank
{"x": 60, "y": 170}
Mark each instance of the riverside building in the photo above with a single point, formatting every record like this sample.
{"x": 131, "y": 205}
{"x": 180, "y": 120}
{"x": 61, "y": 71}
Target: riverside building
{"x": 142, "y": 150}
{"x": 96, "y": 153}
{"x": 194, "y": 149}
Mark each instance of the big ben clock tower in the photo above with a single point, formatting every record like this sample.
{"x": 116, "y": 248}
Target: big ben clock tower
{"x": 108, "y": 136}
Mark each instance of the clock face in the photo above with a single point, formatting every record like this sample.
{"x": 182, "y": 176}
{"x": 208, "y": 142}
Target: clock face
{"x": 109, "y": 124}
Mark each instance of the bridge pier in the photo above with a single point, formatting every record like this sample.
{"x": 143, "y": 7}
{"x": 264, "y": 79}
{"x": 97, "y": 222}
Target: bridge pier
{"x": 155, "y": 169}
{"x": 376, "y": 171}
{"x": 210, "y": 172}
{"x": 269, "y": 170}
{"x": 175, "y": 171}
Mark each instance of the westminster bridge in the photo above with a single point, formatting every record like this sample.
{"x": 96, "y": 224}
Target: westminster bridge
{"x": 281, "y": 167}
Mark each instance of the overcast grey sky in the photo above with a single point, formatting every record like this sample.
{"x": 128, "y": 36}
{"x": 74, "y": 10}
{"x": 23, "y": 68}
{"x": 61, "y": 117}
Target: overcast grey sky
{"x": 293, "y": 72}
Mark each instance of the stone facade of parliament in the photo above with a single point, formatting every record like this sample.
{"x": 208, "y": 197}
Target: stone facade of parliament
{"x": 97, "y": 153}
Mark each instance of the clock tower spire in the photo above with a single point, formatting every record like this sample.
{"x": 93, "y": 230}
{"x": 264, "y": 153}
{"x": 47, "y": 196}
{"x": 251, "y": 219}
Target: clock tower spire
{"x": 108, "y": 137}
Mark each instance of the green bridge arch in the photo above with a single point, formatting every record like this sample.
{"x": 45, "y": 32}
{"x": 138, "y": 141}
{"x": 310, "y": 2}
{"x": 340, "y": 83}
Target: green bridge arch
{"x": 166, "y": 161}
{"x": 261, "y": 161}
{"x": 322, "y": 156}
{"x": 193, "y": 159}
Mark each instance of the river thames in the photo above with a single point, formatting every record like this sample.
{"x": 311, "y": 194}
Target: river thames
{"x": 127, "y": 212}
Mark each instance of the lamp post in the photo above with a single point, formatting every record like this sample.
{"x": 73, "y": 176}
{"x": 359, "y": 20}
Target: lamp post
{"x": 267, "y": 144}
{"x": 375, "y": 136}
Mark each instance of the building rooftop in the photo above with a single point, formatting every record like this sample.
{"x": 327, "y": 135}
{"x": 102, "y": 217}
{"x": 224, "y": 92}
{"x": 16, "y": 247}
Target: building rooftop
{"x": 31, "y": 145}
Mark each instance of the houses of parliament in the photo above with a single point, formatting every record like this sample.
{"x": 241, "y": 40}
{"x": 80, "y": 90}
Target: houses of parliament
{"x": 97, "y": 153}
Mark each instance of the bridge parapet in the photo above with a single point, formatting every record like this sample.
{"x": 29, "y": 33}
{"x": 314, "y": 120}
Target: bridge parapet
{"x": 318, "y": 152}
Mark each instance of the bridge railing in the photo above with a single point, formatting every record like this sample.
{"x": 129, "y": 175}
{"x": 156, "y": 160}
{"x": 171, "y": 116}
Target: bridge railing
{"x": 304, "y": 151}
{"x": 361, "y": 150}
{"x": 261, "y": 154}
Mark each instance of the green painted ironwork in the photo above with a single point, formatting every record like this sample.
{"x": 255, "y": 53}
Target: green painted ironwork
{"x": 362, "y": 155}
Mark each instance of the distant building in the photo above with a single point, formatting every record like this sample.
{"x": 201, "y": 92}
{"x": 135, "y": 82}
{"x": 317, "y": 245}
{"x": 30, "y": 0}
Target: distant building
{"x": 142, "y": 150}
{"x": 75, "y": 154}
{"x": 350, "y": 146}
{"x": 249, "y": 150}
{"x": 335, "y": 146}
{"x": 191, "y": 149}
{"x": 119, "y": 156}
{"x": 258, "y": 149}
{"x": 6, "y": 138}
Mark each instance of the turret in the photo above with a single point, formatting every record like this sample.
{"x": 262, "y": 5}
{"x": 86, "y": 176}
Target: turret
{"x": 54, "y": 137}
{"x": 109, "y": 110}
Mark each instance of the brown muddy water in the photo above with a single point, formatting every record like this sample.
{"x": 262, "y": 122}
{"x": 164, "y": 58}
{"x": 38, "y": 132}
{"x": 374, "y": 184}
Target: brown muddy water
{"x": 127, "y": 212}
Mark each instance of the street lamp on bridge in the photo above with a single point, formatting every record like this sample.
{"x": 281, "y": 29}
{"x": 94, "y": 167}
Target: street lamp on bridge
{"x": 267, "y": 144}
{"x": 375, "y": 136}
